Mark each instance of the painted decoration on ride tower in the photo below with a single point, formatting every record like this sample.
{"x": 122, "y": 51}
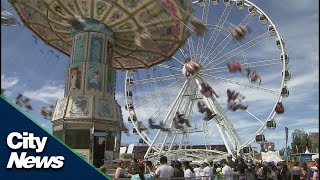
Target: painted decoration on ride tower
{"x": 85, "y": 7}
{"x": 69, "y": 4}
{"x": 105, "y": 109}
{"x": 96, "y": 48}
{"x": 111, "y": 73}
{"x": 113, "y": 18}
{"x": 109, "y": 53}
{"x": 79, "y": 106}
{"x": 94, "y": 77}
{"x": 108, "y": 157}
{"x": 75, "y": 77}
{"x": 101, "y": 9}
{"x": 59, "y": 109}
{"x": 79, "y": 51}
{"x": 131, "y": 3}
{"x": 110, "y": 141}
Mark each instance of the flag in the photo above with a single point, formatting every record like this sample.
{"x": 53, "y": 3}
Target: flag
{"x": 286, "y": 150}
{"x": 286, "y": 129}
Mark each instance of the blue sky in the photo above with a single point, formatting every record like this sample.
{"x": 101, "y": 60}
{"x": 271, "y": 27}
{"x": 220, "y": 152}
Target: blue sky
{"x": 38, "y": 71}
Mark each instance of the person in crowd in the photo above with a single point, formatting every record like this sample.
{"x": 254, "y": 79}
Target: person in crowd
{"x": 296, "y": 171}
{"x": 218, "y": 172}
{"x": 164, "y": 170}
{"x": 259, "y": 172}
{"x": 149, "y": 172}
{"x": 285, "y": 173}
{"x": 315, "y": 175}
{"x": 265, "y": 170}
{"x": 273, "y": 172}
{"x": 133, "y": 165}
{"x": 241, "y": 168}
{"x": 303, "y": 172}
{"x": 198, "y": 171}
{"x": 230, "y": 162}
{"x": 226, "y": 170}
{"x": 188, "y": 170}
{"x": 177, "y": 169}
{"x": 120, "y": 172}
{"x": 140, "y": 173}
{"x": 103, "y": 169}
{"x": 207, "y": 170}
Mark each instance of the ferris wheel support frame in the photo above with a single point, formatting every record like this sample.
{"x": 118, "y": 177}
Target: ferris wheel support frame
{"x": 222, "y": 120}
{"x": 171, "y": 123}
{"x": 183, "y": 89}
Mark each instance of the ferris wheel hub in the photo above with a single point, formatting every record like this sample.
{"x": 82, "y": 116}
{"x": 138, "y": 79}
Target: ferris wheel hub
{"x": 190, "y": 68}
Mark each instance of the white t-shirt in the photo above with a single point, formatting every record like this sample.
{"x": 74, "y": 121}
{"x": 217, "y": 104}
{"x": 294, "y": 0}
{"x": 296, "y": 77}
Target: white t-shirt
{"x": 164, "y": 171}
{"x": 207, "y": 171}
{"x": 227, "y": 172}
{"x": 188, "y": 173}
{"x": 198, "y": 172}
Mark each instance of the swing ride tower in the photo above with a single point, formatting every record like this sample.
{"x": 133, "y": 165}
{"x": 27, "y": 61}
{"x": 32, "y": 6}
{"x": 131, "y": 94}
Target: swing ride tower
{"x": 88, "y": 118}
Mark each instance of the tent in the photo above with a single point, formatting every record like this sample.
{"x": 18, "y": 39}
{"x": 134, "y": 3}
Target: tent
{"x": 271, "y": 156}
{"x": 314, "y": 157}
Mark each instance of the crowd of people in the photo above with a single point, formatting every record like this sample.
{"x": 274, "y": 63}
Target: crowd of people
{"x": 225, "y": 169}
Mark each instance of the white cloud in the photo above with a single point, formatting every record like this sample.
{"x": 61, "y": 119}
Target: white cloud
{"x": 8, "y": 82}
{"x": 47, "y": 94}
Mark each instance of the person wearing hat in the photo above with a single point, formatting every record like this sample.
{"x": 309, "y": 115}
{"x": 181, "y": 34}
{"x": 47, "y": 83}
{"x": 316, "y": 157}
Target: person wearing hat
{"x": 207, "y": 170}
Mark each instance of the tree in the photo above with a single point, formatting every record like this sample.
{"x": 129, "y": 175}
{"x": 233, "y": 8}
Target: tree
{"x": 300, "y": 143}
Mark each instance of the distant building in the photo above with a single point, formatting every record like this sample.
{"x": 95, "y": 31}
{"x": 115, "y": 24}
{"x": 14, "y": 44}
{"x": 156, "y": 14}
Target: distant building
{"x": 298, "y": 133}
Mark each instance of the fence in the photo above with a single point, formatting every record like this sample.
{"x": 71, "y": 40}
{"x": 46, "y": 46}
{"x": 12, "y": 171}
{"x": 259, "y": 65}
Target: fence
{"x": 246, "y": 176}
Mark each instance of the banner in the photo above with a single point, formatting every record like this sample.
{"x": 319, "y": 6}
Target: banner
{"x": 286, "y": 149}
{"x": 30, "y": 152}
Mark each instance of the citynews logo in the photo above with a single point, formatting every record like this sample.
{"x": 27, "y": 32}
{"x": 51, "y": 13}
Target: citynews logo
{"x": 27, "y": 140}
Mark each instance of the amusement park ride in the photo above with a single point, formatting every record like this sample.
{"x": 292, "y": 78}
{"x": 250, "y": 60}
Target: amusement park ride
{"x": 174, "y": 52}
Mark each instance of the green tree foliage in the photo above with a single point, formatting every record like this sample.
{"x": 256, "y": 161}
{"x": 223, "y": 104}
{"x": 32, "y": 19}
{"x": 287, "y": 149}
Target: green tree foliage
{"x": 299, "y": 144}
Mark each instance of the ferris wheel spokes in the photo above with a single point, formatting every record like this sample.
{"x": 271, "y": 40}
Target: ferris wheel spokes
{"x": 191, "y": 48}
{"x": 204, "y": 20}
{"x": 224, "y": 43}
{"x": 237, "y": 50}
{"x": 244, "y": 84}
{"x": 262, "y": 63}
{"x": 217, "y": 29}
{"x": 168, "y": 67}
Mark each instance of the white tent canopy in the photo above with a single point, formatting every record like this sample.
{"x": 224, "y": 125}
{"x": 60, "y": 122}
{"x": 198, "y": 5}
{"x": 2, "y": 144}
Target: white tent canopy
{"x": 313, "y": 157}
{"x": 271, "y": 156}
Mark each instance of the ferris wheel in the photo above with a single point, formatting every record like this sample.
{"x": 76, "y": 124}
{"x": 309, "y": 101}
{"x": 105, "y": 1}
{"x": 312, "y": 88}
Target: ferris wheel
{"x": 225, "y": 86}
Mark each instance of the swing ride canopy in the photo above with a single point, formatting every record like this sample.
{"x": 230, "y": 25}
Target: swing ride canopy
{"x": 165, "y": 19}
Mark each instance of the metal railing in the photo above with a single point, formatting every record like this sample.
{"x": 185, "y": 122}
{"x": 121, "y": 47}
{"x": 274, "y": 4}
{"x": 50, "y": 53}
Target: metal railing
{"x": 246, "y": 176}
